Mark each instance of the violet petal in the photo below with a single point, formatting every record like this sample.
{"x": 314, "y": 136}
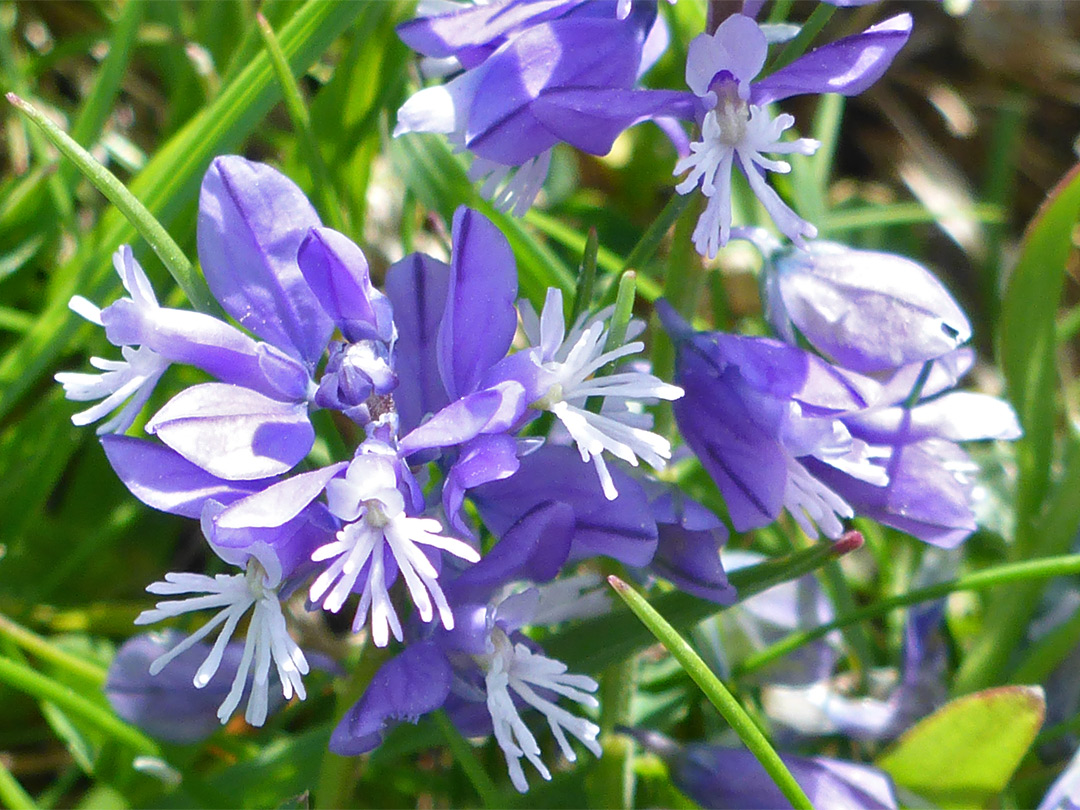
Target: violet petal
{"x": 234, "y": 433}
{"x": 251, "y": 222}
{"x": 479, "y": 321}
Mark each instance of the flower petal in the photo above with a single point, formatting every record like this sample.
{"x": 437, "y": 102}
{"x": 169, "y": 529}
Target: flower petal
{"x": 234, "y": 433}
{"x": 251, "y": 222}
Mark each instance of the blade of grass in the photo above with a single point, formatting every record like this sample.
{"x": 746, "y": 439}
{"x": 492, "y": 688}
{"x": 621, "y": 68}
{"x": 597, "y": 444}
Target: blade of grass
{"x": 149, "y": 228}
{"x": 991, "y": 577}
{"x": 166, "y": 186}
{"x": 41, "y": 648}
{"x": 301, "y": 121}
{"x": 12, "y": 794}
{"x": 716, "y": 692}
{"x": 26, "y": 679}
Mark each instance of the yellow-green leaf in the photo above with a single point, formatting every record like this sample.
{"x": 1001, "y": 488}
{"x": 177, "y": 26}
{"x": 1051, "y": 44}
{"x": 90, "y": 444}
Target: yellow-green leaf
{"x": 965, "y": 753}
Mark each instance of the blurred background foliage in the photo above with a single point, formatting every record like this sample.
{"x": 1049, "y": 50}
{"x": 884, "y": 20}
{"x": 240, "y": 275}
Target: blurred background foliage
{"x": 944, "y": 160}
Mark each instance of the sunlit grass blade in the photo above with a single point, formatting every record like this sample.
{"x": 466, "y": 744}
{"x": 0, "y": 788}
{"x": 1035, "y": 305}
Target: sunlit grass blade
{"x": 166, "y": 185}
{"x": 178, "y": 265}
{"x": 301, "y": 121}
{"x": 12, "y": 794}
{"x": 26, "y": 679}
{"x": 716, "y": 692}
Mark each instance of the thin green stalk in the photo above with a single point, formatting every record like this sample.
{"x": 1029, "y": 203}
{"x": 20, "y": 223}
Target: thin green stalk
{"x": 798, "y": 46}
{"x": 41, "y": 648}
{"x": 571, "y": 239}
{"x": 650, "y": 240}
{"x": 110, "y": 75}
{"x": 105, "y": 181}
{"x": 780, "y": 11}
{"x": 586, "y": 280}
{"x": 990, "y": 578}
{"x": 12, "y": 794}
{"x": 301, "y": 121}
{"x": 624, "y": 310}
{"x": 716, "y": 692}
{"x": 466, "y": 758}
{"x": 26, "y": 679}
{"x": 620, "y": 321}
{"x": 337, "y": 774}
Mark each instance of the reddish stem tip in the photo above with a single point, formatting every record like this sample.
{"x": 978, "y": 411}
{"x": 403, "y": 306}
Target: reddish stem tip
{"x": 848, "y": 542}
{"x": 617, "y": 583}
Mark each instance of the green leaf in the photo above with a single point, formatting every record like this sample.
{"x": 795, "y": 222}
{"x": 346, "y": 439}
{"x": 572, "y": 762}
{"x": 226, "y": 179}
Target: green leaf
{"x": 1027, "y": 338}
{"x": 965, "y": 753}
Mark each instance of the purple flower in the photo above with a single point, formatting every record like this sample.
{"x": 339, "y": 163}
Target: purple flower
{"x": 254, "y": 591}
{"x": 537, "y": 73}
{"x": 169, "y": 705}
{"x": 720, "y": 777}
{"x": 736, "y": 130}
{"x": 931, "y": 480}
{"x": 688, "y": 546}
{"x": 129, "y": 381}
{"x": 485, "y": 660}
{"x": 755, "y": 411}
{"x": 866, "y": 311}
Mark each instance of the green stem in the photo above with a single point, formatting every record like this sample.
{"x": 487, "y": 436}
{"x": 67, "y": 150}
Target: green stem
{"x": 301, "y": 121}
{"x": 12, "y": 794}
{"x": 620, "y": 322}
{"x": 992, "y": 577}
{"x": 466, "y": 758}
{"x": 337, "y": 774}
{"x": 586, "y": 275}
{"x": 40, "y": 647}
{"x": 105, "y": 181}
{"x": 654, "y": 234}
{"x": 717, "y": 694}
{"x": 798, "y": 46}
{"x": 25, "y": 679}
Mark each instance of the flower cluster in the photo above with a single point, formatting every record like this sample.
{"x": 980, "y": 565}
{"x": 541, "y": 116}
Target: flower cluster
{"x": 427, "y": 375}
{"x": 437, "y": 457}
{"x": 532, "y": 74}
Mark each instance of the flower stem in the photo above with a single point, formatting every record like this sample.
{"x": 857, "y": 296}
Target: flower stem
{"x": 716, "y": 692}
{"x": 466, "y": 758}
{"x": 989, "y": 578}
